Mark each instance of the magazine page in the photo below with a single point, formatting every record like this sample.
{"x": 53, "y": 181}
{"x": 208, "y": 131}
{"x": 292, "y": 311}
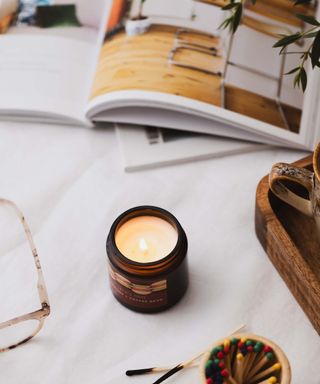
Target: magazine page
{"x": 145, "y": 147}
{"x": 47, "y": 49}
{"x": 173, "y": 55}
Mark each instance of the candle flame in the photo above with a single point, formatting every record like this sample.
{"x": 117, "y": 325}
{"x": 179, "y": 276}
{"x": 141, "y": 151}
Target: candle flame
{"x": 143, "y": 245}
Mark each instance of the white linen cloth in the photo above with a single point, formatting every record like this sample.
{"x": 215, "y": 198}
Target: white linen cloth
{"x": 70, "y": 184}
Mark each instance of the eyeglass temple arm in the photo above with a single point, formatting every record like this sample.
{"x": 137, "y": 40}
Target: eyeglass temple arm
{"x": 42, "y": 289}
{"x": 36, "y": 315}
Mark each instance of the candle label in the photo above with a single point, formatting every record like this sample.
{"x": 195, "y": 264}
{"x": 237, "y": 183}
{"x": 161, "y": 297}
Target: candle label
{"x": 138, "y": 293}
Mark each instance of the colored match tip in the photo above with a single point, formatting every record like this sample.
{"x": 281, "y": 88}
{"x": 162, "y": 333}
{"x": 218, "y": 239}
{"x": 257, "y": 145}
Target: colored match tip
{"x": 226, "y": 343}
{"x": 243, "y": 339}
{"x": 276, "y": 366}
{"x": 272, "y": 380}
{"x": 250, "y": 348}
{"x": 270, "y": 356}
{"x": 216, "y": 350}
{"x": 224, "y": 373}
{"x": 220, "y": 355}
{"x": 240, "y": 356}
{"x": 258, "y": 347}
{"x": 234, "y": 341}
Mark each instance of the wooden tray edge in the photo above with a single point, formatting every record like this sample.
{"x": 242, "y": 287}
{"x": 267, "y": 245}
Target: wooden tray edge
{"x": 296, "y": 273}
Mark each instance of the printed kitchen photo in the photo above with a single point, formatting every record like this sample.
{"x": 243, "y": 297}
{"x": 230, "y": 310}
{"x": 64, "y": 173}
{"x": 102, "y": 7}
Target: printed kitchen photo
{"x": 182, "y": 49}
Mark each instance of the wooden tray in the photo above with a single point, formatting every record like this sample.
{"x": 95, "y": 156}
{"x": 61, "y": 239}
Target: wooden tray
{"x": 292, "y": 244}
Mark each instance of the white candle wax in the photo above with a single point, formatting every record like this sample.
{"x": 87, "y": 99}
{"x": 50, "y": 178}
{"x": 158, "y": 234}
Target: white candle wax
{"x": 146, "y": 239}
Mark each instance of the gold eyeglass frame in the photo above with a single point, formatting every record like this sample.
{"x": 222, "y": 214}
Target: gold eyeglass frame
{"x": 40, "y": 314}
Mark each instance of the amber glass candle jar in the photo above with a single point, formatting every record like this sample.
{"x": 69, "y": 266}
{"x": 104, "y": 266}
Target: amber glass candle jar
{"x": 147, "y": 249}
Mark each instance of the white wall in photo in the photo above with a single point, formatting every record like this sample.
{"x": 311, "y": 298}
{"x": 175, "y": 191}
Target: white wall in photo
{"x": 88, "y": 12}
{"x": 182, "y": 13}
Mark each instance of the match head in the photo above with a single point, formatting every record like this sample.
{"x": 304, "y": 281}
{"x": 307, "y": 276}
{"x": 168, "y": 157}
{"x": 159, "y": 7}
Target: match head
{"x": 220, "y": 355}
{"x": 216, "y": 350}
{"x": 224, "y": 373}
{"x": 240, "y": 356}
{"x": 258, "y": 347}
{"x": 270, "y": 356}
{"x": 234, "y": 341}
{"x": 276, "y": 366}
{"x": 226, "y": 345}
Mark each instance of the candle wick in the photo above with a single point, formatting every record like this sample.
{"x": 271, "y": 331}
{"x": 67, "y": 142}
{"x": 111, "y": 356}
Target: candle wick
{"x": 143, "y": 245}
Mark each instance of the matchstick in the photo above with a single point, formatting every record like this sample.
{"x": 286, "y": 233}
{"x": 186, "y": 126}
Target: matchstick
{"x": 144, "y": 371}
{"x": 244, "y": 346}
{"x": 170, "y": 373}
{"x": 260, "y": 364}
{"x": 233, "y": 350}
{"x": 258, "y": 353}
{"x": 276, "y": 367}
{"x": 252, "y": 350}
{"x": 227, "y": 352}
{"x": 238, "y": 368}
{"x": 231, "y": 380}
{"x": 271, "y": 380}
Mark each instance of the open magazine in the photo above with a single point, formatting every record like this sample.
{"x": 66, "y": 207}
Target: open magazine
{"x": 159, "y": 63}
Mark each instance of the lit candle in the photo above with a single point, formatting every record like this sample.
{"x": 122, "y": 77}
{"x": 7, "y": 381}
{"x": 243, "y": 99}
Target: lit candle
{"x": 147, "y": 250}
{"x": 146, "y": 239}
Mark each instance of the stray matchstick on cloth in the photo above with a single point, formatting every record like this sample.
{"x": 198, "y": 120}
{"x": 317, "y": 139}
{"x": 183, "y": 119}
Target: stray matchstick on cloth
{"x": 173, "y": 370}
{"x": 239, "y": 359}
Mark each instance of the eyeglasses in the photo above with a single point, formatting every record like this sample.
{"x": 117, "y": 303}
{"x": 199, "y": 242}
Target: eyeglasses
{"x": 23, "y": 328}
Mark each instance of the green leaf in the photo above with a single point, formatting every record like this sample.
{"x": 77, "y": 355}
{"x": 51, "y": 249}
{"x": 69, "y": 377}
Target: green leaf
{"x": 225, "y": 23}
{"x": 294, "y": 70}
{"x": 303, "y": 79}
{"x": 315, "y": 52}
{"x": 237, "y": 18}
{"x": 310, "y": 34}
{"x": 296, "y": 81}
{"x": 286, "y": 40}
{"x": 308, "y": 19}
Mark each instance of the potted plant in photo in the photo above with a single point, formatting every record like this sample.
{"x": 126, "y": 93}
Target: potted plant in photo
{"x": 139, "y": 24}
{"x": 309, "y": 52}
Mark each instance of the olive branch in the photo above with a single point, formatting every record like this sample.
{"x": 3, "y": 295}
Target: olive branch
{"x": 311, "y": 53}
{"x": 140, "y": 8}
